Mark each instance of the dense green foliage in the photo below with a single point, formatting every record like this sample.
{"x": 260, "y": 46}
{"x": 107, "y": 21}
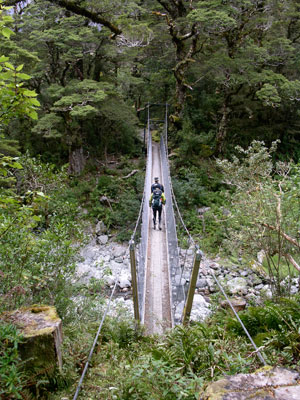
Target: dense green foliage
{"x": 128, "y": 365}
{"x": 11, "y": 378}
{"x": 228, "y": 70}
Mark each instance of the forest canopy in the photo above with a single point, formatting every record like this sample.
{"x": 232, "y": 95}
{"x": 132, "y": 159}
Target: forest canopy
{"x": 228, "y": 69}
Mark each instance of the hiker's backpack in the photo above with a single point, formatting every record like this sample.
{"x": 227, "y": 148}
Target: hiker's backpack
{"x": 156, "y": 198}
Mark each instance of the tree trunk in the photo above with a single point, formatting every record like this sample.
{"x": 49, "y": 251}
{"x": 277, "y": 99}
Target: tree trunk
{"x": 222, "y": 130}
{"x": 76, "y": 161}
{"x": 41, "y": 328}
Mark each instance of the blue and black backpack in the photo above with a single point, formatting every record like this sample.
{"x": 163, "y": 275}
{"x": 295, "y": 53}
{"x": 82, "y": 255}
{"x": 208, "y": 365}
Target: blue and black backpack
{"x": 156, "y": 198}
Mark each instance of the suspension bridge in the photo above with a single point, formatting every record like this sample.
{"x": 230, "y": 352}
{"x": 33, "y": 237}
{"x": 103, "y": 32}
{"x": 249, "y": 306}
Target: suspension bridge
{"x": 160, "y": 299}
{"x": 157, "y": 288}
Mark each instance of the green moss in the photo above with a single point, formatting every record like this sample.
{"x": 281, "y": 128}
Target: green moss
{"x": 49, "y": 311}
{"x": 216, "y": 390}
{"x": 263, "y": 369}
{"x": 30, "y": 331}
{"x": 27, "y": 321}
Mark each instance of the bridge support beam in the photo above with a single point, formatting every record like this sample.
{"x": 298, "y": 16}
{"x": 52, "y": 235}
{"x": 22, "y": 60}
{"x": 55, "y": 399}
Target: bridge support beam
{"x": 134, "y": 282}
{"x": 190, "y": 296}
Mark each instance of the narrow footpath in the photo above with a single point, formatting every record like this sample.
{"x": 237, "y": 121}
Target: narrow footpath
{"x": 157, "y": 300}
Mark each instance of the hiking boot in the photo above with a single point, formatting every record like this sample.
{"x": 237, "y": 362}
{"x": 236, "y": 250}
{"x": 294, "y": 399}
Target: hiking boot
{"x": 159, "y": 226}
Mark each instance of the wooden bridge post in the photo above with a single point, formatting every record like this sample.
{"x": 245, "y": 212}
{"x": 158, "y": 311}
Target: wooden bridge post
{"x": 190, "y": 296}
{"x": 134, "y": 282}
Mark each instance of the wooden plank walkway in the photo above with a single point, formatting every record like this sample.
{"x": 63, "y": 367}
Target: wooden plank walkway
{"x": 157, "y": 316}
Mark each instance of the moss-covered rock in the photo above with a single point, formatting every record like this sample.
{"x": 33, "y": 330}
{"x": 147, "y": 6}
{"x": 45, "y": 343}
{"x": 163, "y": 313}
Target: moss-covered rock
{"x": 265, "y": 384}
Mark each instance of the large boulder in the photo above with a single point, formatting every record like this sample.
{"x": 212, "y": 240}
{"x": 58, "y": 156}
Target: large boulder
{"x": 265, "y": 384}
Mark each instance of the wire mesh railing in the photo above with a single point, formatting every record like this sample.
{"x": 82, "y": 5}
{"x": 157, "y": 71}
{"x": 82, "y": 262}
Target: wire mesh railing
{"x": 141, "y": 262}
{"x": 177, "y": 288}
{"x": 178, "y": 283}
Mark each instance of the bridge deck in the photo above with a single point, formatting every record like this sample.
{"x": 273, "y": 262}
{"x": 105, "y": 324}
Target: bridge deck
{"x": 157, "y": 300}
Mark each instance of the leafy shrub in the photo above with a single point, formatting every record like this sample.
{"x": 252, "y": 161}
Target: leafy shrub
{"x": 265, "y": 208}
{"x": 11, "y": 376}
{"x": 275, "y": 326}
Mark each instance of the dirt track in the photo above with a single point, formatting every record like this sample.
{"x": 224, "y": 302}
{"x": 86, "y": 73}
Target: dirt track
{"x": 157, "y": 301}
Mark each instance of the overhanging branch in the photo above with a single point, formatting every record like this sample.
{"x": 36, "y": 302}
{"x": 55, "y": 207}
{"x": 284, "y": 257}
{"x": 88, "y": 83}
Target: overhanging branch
{"x": 93, "y": 16}
{"x": 77, "y": 9}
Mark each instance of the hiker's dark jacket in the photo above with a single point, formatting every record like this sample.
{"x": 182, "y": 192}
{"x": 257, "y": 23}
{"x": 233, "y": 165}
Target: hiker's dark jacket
{"x": 157, "y": 185}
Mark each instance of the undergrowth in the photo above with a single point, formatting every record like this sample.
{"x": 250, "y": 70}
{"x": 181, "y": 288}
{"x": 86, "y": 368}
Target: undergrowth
{"x": 128, "y": 365}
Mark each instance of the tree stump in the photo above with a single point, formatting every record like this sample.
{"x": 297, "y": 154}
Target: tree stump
{"x": 41, "y": 329}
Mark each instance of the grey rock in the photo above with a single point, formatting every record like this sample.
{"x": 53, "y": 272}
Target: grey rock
{"x": 236, "y": 285}
{"x": 265, "y": 384}
{"x": 201, "y": 308}
{"x": 238, "y": 304}
{"x": 244, "y": 273}
{"x": 251, "y": 297}
{"x": 118, "y": 251}
{"x": 294, "y": 289}
{"x": 203, "y": 210}
{"x": 256, "y": 281}
{"x": 289, "y": 392}
{"x": 201, "y": 283}
{"x": 260, "y": 256}
{"x": 109, "y": 280}
{"x": 259, "y": 287}
{"x": 102, "y": 239}
{"x": 266, "y": 292}
{"x": 100, "y": 228}
{"x": 123, "y": 282}
{"x": 214, "y": 265}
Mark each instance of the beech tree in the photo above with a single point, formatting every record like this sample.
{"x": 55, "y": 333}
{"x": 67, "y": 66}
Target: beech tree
{"x": 230, "y": 67}
{"x": 78, "y": 63}
{"x": 247, "y": 56}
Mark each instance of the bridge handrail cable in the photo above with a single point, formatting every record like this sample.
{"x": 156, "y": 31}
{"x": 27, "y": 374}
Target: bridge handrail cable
{"x": 143, "y": 202}
{"x": 196, "y": 246}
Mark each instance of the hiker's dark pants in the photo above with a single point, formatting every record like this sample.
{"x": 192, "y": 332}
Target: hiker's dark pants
{"x": 155, "y": 211}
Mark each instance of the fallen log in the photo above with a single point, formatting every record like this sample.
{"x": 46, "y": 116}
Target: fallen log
{"x": 130, "y": 174}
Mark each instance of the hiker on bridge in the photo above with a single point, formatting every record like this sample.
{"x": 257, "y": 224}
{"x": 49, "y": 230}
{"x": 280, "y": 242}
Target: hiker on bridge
{"x": 156, "y": 184}
{"x": 157, "y": 200}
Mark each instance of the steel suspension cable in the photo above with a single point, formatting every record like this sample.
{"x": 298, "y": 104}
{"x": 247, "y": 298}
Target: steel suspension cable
{"x": 112, "y": 292}
{"x": 107, "y": 308}
{"x": 94, "y": 343}
{"x": 180, "y": 217}
{"x": 240, "y": 321}
{"x": 171, "y": 185}
{"x": 215, "y": 278}
{"x": 139, "y": 216}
